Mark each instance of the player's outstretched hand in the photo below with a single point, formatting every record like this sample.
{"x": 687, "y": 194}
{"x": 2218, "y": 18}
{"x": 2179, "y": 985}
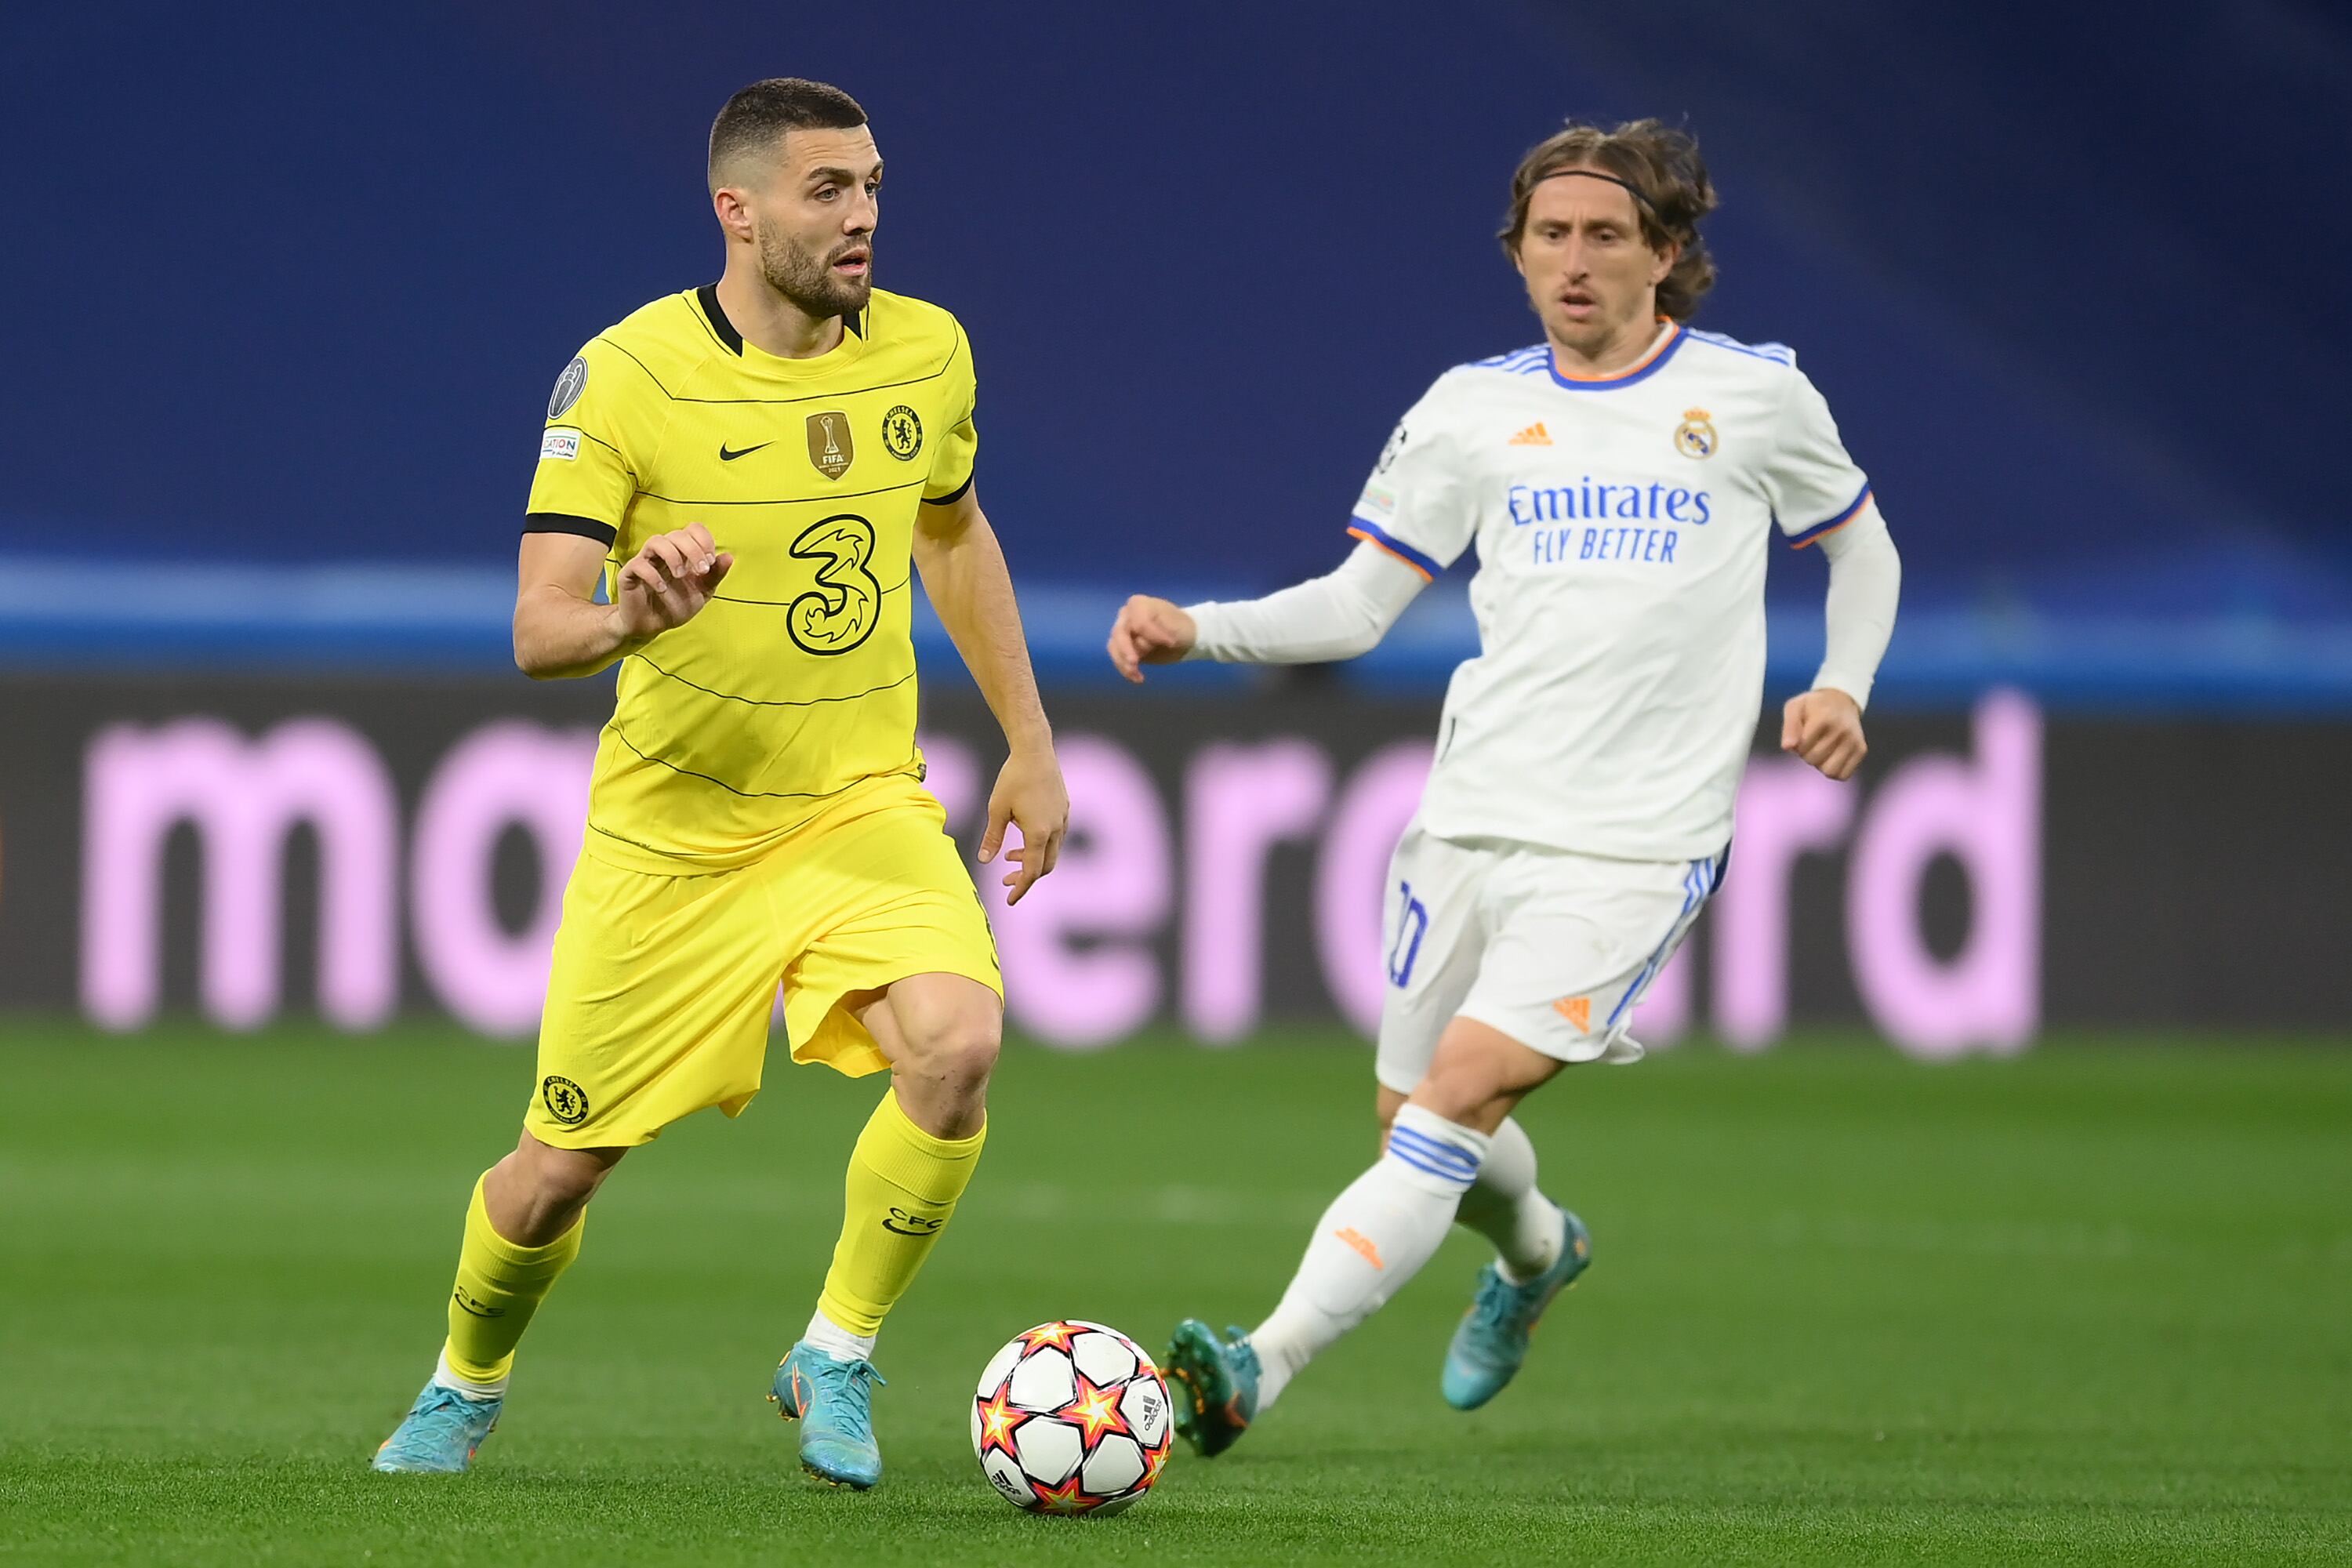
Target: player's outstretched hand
{"x": 1824, "y": 728}
{"x": 1029, "y": 795}
{"x": 1149, "y": 631}
{"x": 669, "y": 580}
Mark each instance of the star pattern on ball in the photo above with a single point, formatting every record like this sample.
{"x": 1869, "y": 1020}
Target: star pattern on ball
{"x": 1057, "y": 1335}
{"x": 1070, "y": 1496}
{"x": 999, "y": 1419}
{"x": 1094, "y": 1410}
{"x": 1154, "y": 1461}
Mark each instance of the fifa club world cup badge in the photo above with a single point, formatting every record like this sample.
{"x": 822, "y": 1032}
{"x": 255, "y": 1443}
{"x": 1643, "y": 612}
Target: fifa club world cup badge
{"x": 1694, "y": 436}
{"x": 830, "y": 445}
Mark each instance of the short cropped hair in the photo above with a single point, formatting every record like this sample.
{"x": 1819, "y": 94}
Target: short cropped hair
{"x": 748, "y": 127}
{"x": 1671, "y": 192}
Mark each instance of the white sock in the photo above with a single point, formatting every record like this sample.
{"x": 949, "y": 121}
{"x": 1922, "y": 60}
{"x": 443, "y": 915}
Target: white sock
{"x": 1374, "y": 1237}
{"x": 835, "y": 1341}
{"x": 444, "y": 1377}
{"x": 1504, "y": 1206}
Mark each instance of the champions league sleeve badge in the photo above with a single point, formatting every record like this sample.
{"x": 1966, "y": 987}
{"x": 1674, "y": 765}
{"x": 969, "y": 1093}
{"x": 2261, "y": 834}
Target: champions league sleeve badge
{"x": 568, "y": 388}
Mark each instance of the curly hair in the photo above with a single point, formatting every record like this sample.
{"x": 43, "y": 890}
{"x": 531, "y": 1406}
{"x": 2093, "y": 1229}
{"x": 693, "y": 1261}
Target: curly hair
{"x": 1670, "y": 186}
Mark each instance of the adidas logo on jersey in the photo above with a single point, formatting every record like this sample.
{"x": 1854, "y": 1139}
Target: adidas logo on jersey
{"x": 1534, "y": 435}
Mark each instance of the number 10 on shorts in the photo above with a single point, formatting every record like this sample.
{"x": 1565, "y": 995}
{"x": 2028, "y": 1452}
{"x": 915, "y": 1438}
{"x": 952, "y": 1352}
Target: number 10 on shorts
{"x": 1413, "y": 924}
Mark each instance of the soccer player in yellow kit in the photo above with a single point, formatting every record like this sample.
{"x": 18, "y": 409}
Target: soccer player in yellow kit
{"x": 756, "y": 469}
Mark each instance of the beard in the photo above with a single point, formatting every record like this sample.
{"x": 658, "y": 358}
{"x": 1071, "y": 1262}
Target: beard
{"x": 808, "y": 280}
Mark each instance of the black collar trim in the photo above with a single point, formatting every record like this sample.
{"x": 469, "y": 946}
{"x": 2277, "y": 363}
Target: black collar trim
{"x": 707, "y": 297}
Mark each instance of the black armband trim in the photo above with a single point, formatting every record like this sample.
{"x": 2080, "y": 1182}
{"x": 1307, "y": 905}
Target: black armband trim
{"x": 565, "y": 522}
{"x": 954, "y": 495}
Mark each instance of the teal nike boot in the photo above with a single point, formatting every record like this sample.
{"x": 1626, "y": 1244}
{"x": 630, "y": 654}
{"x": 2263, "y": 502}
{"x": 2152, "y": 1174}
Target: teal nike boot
{"x": 1219, "y": 1379}
{"x": 1492, "y": 1340}
{"x": 439, "y": 1433}
{"x": 834, "y": 1401}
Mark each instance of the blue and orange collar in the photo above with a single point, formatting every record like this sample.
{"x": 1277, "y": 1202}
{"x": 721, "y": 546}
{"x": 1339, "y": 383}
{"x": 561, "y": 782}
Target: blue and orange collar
{"x": 1649, "y": 365}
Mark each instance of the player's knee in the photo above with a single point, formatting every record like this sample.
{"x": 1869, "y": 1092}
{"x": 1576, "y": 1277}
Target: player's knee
{"x": 1477, "y": 1074}
{"x": 959, "y": 1050}
{"x": 1467, "y": 1090}
{"x": 1460, "y": 1096}
{"x": 564, "y": 1178}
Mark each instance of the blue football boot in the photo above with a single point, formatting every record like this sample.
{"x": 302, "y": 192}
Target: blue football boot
{"x": 1217, "y": 1397}
{"x": 1492, "y": 1340}
{"x": 834, "y": 1401}
{"x": 439, "y": 1433}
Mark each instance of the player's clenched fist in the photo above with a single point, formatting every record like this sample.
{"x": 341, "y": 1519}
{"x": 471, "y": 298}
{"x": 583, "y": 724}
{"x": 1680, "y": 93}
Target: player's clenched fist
{"x": 1149, "y": 631}
{"x": 1824, "y": 728}
{"x": 668, "y": 581}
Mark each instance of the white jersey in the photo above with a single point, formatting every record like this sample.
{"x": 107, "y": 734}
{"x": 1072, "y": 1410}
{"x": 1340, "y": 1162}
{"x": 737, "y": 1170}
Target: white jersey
{"x": 1621, "y": 524}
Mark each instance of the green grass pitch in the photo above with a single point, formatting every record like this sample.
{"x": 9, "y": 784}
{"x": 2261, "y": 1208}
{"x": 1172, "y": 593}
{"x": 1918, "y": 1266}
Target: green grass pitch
{"x": 2091, "y": 1305}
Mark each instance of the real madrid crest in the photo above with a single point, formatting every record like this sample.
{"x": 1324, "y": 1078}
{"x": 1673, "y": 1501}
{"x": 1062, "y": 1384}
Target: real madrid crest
{"x": 829, "y": 447}
{"x": 902, "y": 432}
{"x": 1694, "y": 436}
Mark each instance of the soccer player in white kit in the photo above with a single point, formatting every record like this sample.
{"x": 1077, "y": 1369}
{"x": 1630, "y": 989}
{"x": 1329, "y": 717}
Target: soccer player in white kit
{"x": 1620, "y": 482}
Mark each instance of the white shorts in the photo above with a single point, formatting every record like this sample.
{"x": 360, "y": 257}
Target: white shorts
{"x": 1550, "y": 947}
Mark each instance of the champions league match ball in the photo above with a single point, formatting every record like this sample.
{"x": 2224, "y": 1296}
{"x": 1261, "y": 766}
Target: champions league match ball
{"x": 1071, "y": 1417}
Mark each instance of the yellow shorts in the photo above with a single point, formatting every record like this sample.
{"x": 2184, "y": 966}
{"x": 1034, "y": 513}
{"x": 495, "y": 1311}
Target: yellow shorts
{"x": 662, "y": 989}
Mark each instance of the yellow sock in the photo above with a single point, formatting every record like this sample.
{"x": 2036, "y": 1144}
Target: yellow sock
{"x": 499, "y": 1285}
{"x": 903, "y": 1185}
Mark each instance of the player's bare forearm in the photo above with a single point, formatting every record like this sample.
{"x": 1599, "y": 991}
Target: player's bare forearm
{"x": 558, "y": 635}
{"x": 968, "y": 582}
{"x": 965, "y": 576}
{"x": 560, "y": 630}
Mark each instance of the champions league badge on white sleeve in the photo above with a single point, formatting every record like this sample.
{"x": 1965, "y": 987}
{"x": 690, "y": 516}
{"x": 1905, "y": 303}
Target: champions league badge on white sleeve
{"x": 568, "y": 388}
{"x": 1379, "y": 502}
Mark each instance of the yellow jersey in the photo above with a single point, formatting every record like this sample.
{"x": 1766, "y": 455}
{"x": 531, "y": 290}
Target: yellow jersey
{"x": 797, "y": 679}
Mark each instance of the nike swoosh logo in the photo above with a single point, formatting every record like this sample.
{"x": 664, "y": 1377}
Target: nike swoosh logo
{"x": 727, "y": 457}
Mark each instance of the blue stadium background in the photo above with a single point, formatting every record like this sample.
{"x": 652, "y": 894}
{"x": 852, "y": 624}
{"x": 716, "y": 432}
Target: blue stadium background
{"x": 287, "y": 285}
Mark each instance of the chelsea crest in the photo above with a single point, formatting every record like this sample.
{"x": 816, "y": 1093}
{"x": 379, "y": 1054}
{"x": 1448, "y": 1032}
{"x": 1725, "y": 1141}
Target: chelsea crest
{"x": 902, "y": 432}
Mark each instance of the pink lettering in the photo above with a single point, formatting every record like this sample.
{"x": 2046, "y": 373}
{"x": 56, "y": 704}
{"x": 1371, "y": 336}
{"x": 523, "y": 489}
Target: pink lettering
{"x": 243, "y": 798}
{"x": 1785, "y": 809}
{"x": 1380, "y": 799}
{"x": 1240, "y": 801}
{"x": 1987, "y": 815}
{"x": 507, "y": 773}
{"x": 1079, "y": 969}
